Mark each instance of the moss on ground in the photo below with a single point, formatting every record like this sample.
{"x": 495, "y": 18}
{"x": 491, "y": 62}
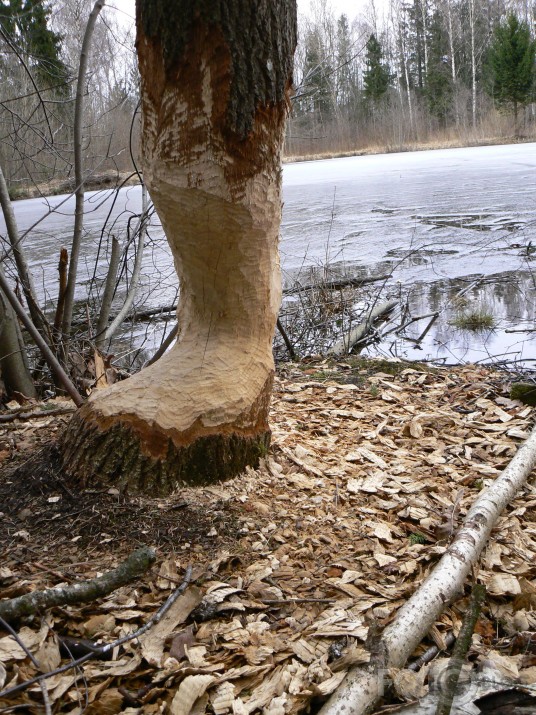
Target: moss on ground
{"x": 355, "y": 369}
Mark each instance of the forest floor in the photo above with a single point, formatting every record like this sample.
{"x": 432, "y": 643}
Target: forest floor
{"x": 372, "y": 468}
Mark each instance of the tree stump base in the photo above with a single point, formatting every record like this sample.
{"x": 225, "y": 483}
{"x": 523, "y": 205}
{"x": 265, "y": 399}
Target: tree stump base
{"x": 115, "y": 457}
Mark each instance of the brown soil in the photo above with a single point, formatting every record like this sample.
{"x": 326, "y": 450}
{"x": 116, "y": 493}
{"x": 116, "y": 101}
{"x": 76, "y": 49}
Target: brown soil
{"x": 36, "y": 498}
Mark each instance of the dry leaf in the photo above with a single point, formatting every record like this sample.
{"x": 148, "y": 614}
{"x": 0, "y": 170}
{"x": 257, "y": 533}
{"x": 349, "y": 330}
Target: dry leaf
{"x": 180, "y": 641}
{"x": 11, "y": 650}
{"x": 48, "y": 655}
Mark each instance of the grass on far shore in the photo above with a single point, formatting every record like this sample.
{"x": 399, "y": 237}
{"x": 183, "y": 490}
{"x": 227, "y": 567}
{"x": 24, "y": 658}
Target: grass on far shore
{"x": 112, "y": 178}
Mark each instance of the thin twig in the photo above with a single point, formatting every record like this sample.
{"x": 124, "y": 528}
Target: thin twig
{"x": 165, "y": 345}
{"x": 20, "y": 415}
{"x": 44, "y": 691}
{"x": 286, "y": 339}
{"x": 272, "y": 601}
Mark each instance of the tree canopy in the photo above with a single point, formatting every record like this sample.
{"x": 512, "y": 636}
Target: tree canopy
{"x": 512, "y": 55}
{"x": 26, "y": 24}
{"x": 376, "y": 78}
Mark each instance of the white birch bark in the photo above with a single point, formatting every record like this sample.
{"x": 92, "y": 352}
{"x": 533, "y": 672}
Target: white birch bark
{"x": 473, "y": 61}
{"x": 424, "y": 16}
{"x": 450, "y": 32}
{"x": 362, "y": 686}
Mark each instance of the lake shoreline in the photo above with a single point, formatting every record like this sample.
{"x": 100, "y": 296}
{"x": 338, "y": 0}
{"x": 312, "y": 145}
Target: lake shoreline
{"x": 114, "y": 179}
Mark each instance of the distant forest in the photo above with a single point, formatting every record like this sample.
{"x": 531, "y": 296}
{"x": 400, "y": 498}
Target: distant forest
{"x": 413, "y": 73}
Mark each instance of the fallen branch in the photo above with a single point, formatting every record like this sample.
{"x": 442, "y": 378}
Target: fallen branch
{"x": 39, "y": 601}
{"x": 336, "y": 284}
{"x": 362, "y": 687}
{"x": 36, "y": 414}
{"x": 444, "y": 705}
{"x": 108, "y": 647}
{"x": 356, "y": 335}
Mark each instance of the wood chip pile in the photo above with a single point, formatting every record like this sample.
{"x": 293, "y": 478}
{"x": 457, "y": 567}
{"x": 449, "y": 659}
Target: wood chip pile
{"x": 369, "y": 477}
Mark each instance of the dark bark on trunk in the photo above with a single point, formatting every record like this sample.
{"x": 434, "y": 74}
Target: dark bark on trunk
{"x": 117, "y": 457}
{"x": 13, "y": 363}
{"x": 256, "y": 37}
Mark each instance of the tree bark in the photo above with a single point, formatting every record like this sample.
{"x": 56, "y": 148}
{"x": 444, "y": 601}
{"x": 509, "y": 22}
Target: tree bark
{"x": 23, "y": 271}
{"x": 59, "y": 373}
{"x": 215, "y": 82}
{"x": 13, "y": 363}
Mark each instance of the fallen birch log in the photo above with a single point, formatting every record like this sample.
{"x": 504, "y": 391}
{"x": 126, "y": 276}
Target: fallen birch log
{"x": 363, "y": 686}
{"x": 82, "y": 592}
{"x": 354, "y": 336}
{"x": 335, "y": 284}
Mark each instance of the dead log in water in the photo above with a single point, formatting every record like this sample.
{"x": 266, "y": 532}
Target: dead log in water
{"x": 346, "y": 344}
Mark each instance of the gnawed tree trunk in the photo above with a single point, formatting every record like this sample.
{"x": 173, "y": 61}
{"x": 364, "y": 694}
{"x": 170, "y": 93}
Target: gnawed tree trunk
{"x": 216, "y": 76}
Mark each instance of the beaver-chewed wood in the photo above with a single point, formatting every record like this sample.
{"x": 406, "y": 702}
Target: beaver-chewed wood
{"x": 215, "y": 83}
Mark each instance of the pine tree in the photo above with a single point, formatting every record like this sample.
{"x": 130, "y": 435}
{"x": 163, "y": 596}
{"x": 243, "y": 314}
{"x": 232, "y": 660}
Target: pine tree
{"x": 439, "y": 89}
{"x": 376, "y": 77}
{"x": 318, "y": 73}
{"x": 511, "y": 58}
{"x": 25, "y": 23}
{"x": 345, "y": 75}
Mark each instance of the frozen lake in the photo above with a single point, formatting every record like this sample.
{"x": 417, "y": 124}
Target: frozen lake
{"x": 439, "y": 221}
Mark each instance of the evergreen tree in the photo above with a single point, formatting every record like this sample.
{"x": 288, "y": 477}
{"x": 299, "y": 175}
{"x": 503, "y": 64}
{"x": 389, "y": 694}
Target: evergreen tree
{"x": 318, "y": 76}
{"x": 439, "y": 89}
{"x": 345, "y": 65}
{"x": 376, "y": 77}
{"x": 417, "y": 30}
{"x": 511, "y": 59}
{"x": 26, "y": 24}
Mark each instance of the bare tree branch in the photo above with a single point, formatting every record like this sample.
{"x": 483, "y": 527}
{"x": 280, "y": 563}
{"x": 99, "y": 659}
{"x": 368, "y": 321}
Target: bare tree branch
{"x": 79, "y": 169}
